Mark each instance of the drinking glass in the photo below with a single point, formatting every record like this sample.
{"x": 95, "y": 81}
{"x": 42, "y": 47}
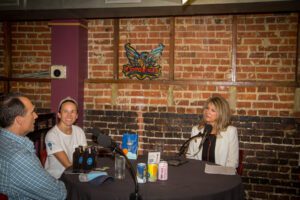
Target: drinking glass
{"x": 120, "y": 167}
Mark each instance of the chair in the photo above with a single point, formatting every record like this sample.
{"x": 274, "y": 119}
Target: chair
{"x": 43, "y": 156}
{"x": 3, "y": 197}
{"x": 42, "y": 125}
{"x": 240, "y": 168}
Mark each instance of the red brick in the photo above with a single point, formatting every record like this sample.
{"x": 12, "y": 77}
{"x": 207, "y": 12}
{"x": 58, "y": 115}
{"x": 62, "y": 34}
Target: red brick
{"x": 158, "y": 101}
{"x": 243, "y": 104}
{"x": 267, "y": 97}
{"x": 247, "y": 97}
{"x": 283, "y": 106}
{"x": 262, "y": 105}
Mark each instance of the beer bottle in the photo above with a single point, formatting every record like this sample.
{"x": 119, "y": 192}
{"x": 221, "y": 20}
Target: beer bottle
{"x": 76, "y": 156}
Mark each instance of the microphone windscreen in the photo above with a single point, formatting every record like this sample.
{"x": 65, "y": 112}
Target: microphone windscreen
{"x": 104, "y": 140}
{"x": 207, "y": 129}
{"x": 95, "y": 131}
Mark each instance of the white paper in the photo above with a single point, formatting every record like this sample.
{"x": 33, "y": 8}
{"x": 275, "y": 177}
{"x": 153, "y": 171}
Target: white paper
{"x": 216, "y": 169}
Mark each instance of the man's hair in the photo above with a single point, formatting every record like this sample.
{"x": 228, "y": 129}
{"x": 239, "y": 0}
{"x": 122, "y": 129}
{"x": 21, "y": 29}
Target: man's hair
{"x": 10, "y": 107}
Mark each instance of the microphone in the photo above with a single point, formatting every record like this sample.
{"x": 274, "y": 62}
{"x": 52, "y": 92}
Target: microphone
{"x": 106, "y": 142}
{"x": 207, "y": 130}
{"x": 95, "y": 131}
{"x": 103, "y": 139}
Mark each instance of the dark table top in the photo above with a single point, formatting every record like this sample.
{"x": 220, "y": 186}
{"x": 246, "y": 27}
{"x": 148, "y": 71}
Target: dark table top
{"x": 186, "y": 182}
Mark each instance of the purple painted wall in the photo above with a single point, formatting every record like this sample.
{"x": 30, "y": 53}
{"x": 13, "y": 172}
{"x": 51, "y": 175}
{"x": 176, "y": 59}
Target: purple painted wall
{"x": 69, "y": 48}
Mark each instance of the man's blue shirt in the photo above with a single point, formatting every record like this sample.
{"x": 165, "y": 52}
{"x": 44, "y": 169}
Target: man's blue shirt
{"x": 21, "y": 173}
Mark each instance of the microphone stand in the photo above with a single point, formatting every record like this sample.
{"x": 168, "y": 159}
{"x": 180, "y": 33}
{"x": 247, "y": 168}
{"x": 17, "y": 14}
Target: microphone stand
{"x": 203, "y": 140}
{"x": 186, "y": 143}
{"x": 135, "y": 195}
{"x": 207, "y": 130}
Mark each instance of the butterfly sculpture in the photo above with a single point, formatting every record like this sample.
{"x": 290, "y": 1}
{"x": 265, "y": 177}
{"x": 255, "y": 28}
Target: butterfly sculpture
{"x": 144, "y": 64}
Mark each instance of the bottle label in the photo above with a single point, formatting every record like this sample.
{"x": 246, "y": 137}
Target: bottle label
{"x": 89, "y": 161}
{"x": 80, "y": 159}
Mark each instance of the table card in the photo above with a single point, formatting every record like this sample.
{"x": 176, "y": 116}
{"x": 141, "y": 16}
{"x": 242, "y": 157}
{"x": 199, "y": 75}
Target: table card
{"x": 130, "y": 145}
{"x": 153, "y": 157}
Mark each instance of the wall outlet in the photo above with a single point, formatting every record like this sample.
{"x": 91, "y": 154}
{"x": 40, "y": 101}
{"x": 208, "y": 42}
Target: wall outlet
{"x": 58, "y": 71}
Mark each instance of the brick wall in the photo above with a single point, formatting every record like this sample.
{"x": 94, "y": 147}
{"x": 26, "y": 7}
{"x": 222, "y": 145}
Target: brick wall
{"x": 38, "y": 92}
{"x": 267, "y": 47}
{"x": 100, "y": 48}
{"x": 266, "y": 50}
{"x": 267, "y": 123}
{"x": 31, "y": 43}
{"x": 31, "y": 53}
{"x": 265, "y": 101}
{"x": 271, "y": 154}
{"x": 203, "y": 47}
{"x": 145, "y": 34}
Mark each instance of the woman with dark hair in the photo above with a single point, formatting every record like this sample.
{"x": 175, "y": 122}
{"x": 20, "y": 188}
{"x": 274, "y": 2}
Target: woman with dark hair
{"x": 221, "y": 145}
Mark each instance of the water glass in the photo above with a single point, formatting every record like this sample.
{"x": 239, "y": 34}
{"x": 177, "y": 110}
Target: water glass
{"x": 120, "y": 167}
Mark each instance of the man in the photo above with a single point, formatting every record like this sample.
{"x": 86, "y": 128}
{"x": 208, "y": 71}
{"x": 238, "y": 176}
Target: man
{"x": 21, "y": 173}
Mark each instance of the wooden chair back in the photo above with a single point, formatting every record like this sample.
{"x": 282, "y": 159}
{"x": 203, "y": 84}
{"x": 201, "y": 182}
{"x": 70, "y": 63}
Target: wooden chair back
{"x": 241, "y": 166}
{"x": 3, "y": 197}
{"x": 42, "y": 125}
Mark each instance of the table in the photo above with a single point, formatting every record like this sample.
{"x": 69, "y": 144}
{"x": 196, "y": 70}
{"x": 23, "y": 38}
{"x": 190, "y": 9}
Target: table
{"x": 185, "y": 182}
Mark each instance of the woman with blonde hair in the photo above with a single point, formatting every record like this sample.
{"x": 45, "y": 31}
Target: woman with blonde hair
{"x": 221, "y": 145}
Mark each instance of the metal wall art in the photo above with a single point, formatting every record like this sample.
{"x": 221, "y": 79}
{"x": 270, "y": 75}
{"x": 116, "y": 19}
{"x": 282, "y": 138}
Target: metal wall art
{"x": 142, "y": 65}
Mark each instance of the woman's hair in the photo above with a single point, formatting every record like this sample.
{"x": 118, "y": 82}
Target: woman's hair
{"x": 223, "y": 110}
{"x": 10, "y": 107}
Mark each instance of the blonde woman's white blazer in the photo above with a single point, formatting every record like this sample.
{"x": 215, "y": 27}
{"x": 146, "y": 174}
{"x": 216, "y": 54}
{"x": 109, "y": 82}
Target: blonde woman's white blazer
{"x": 226, "y": 150}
